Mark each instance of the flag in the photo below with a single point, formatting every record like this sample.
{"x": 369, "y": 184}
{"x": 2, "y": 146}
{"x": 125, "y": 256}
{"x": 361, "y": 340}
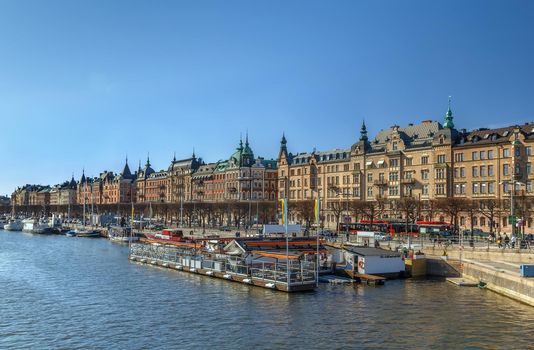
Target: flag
{"x": 283, "y": 210}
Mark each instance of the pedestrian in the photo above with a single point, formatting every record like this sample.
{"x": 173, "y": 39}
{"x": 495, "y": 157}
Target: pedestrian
{"x": 514, "y": 239}
{"x": 506, "y": 241}
{"x": 499, "y": 241}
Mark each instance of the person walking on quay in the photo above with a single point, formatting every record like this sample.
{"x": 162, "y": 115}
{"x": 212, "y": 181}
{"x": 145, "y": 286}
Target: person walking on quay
{"x": 499, "y": 241}
{"x": 506, "y": 241}
{"x": 514, "y": 239}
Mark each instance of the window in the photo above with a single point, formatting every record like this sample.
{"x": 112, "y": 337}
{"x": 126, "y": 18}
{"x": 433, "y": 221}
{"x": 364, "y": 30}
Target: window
{"x": 490, "y": 154}
{"x": 506, "y": 152}
{"x": 517, "y": 151}
{"x": 394, "y": 163}
{"x": 440, "y": 189}
{"x": 462, "y": 172}
{"x": 424, "y": 160}
{"x": 475, "y": 188}
{"x": 440, "y": 173}
{"x": 456, "y": 173}
{"x": 408, "y": 175}
{"x": 424, "y": 174}
{"x": 482, "y": 154}
{"x": 462, "y": 220}
{"x": 483, "y": 170}
{"x": 346, "y": 167}
{"x": 528, "y": 151}
{"x": 459, "y": 189}
{"x": 408, "y": 161}
{"x": 425, "y": 190}
{"x": 482, "y": 221}
{"x": 393, "y": 176}
{"x": 491, "y": 187}
{"x": 529, "y": 186}
{"x": 474, "y": 155}
{"x": 458, "y": 157}
{"x": 517, "y": 169}
{"x": 475, "y": 221}
{"x": 528, "y": 168}
{"x": 490, "y": 170}
{"x": 483, "y": 187}
{"x": 394, "y": 146}
{"x": 505, "y": 187}
{"x": 506, "y": 169}
{"x": 474, "y": 171}
{"x": 370, "y": 192}
{"x": 441, "y": 158}
{"x": 394, "y": 190}
{"x": 369, "y": 177}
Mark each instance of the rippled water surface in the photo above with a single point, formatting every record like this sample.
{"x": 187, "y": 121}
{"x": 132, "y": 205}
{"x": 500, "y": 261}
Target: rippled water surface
{"x": 73, "y": 293}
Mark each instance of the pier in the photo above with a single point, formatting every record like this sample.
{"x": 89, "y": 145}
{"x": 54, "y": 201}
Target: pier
{"x": 273, "y": 271}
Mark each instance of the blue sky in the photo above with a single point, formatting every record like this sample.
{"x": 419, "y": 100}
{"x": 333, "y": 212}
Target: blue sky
{"x": 85, "y": 83}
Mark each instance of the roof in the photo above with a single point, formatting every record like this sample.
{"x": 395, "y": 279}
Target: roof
{"x": 333, "y": 155}
{"x": 414, "y": 135}
{"x": 492, "y": 136}
{"x": 369, "y": 251}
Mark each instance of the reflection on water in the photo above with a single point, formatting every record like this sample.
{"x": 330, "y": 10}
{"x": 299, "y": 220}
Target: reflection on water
{"x": 63, "y": 292}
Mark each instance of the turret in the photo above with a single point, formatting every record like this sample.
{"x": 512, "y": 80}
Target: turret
{"x": 449, "y": 124}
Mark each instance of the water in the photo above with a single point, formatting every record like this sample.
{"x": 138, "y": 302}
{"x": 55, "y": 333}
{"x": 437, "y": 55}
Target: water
{"x": 73, "y": 293}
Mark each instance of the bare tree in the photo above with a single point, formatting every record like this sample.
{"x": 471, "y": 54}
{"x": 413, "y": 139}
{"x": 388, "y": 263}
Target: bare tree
{"x": 305, "y": 210}
{"x": 452, "y": 207}
{"x": 490, "y": 208}
{"x": 408, "y": 206}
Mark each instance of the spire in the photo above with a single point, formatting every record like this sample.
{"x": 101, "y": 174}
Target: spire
{"x": 174, "y": 157}
{"x": 240, "y": 142}
{"x": 126, "y": 159}
{"x": 139, "y": 168}
{"x": 246, "y": 140}
{"x": 363, "y": 132}
{"x": 83, "y": 175}
{"x": 148, "y": 160}
{"x": 449, "y": 124}
{"x": 194, "y": 156}
{"x": 284, "y": 141}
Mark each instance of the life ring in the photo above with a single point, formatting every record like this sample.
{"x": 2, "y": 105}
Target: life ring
{"x": 361, "y": 265}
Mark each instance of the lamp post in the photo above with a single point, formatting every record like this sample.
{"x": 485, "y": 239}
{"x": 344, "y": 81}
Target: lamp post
{"x": 513, "y": 182}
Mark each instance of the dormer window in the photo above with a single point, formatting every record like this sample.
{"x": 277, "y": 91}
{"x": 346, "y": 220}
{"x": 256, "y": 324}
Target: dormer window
{"x": 394, "y": 146}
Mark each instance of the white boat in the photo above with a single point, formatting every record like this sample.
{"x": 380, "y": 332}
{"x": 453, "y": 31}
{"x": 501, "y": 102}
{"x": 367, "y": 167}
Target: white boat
{"x": 86, "y": 233}
{"x": 121, "y": 234}
{"x": 35, "y": 226}
{"x": 14, "y": 225}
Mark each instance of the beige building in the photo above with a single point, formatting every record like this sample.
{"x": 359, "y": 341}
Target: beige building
{"x": 425, "y": 162}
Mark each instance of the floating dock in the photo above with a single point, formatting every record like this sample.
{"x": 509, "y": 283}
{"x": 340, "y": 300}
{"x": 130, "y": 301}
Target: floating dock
{"x": 270, "y": 275}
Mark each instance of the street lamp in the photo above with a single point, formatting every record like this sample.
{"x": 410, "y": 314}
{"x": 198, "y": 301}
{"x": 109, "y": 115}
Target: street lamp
{"x": 512, "y": 190}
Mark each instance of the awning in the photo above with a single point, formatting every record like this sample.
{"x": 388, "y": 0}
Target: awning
{"x": 369, "y": 162}
{"x": 380, "y": 162}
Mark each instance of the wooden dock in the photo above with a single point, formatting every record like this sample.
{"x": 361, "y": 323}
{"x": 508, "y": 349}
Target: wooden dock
{"x": 366, "y": 278}
{"x": 462, "y": 282}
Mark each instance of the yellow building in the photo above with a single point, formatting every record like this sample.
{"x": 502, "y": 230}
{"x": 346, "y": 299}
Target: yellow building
{"x": 427, "y": 163}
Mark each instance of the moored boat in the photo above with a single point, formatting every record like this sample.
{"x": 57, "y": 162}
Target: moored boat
{"x": 14, "y": 225}
{"x": 121, "y": 234}
{"x": 33, "y": 225}
{"x": 166, "y": 235}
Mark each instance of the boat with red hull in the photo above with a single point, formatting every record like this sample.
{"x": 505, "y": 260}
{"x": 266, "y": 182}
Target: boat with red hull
{"x": 167, "y": 235}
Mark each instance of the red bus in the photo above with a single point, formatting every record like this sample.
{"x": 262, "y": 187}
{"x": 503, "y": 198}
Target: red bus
{"x": 430, "y": 228}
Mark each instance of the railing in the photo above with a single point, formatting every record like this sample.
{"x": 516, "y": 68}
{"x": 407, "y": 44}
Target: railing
{"x": 300, "y": 272}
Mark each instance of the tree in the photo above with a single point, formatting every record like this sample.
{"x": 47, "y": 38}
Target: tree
{"x": 471, "y": 208}
{"x": 305, "y": 209}
{"x": 367, "y": 209}
{"x": 523, "y": 208}
{"x": 490, "y": 208}
{"x": 452, "y": 207}
{"x": 408, "y": 206}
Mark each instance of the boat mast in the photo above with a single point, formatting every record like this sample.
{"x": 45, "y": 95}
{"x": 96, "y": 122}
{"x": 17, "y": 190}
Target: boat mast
{"x": 84, "y": 201}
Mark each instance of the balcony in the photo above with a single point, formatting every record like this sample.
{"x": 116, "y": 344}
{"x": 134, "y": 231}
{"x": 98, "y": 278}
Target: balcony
{"x": 380, "y": 182}
{"x": 408, "y": 181}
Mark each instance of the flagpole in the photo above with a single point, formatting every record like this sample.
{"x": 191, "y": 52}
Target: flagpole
{"x": 317, "y": 213}
{"x": 283, "y": 207}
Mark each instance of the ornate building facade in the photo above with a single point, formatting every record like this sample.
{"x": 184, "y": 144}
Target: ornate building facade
{"x": 425, "y": 162}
